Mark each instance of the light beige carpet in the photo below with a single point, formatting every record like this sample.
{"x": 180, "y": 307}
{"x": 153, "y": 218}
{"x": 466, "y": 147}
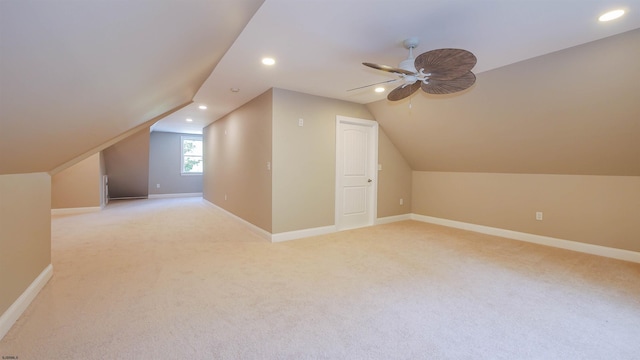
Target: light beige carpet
{"x": 177, "y": 279}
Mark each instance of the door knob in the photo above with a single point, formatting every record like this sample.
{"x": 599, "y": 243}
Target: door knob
{"x": 369, "y": 180}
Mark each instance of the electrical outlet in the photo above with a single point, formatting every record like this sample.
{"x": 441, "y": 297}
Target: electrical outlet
{"x": 157, "y": 186}
{"x": 379, "y": 167}
{"x": 401, "y": 201}
{"x": 301, "y": 122}
{"x": 269, "y": 165}
{"x": 539, "y": 215}
{"x": 225, "y": 196}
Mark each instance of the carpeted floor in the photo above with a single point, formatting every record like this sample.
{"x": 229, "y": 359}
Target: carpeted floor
{"x": 178, "y": 279}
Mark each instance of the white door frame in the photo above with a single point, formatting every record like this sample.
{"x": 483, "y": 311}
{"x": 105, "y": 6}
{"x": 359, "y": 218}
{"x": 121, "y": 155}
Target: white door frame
{"x": 373, "y": 169}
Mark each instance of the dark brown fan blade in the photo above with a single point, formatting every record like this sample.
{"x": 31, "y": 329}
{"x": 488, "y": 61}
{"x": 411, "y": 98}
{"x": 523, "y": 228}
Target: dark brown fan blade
{"x": 403, "y": 91}
{"x": 449, "y": 86}
{"x": 387, "y": 68}
{"x": 446, "y": 64}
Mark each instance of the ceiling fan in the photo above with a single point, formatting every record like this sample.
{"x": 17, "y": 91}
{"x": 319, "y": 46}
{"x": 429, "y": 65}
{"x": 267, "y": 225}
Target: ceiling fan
{"x": 441, "y": 71}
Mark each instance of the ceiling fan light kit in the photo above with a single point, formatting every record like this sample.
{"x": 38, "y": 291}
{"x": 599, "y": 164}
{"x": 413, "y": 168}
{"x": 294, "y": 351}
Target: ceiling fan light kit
{"x": 440, "y": 71}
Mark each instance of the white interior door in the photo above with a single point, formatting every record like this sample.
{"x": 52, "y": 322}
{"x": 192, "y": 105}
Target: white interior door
{"x": 356, "y": 172}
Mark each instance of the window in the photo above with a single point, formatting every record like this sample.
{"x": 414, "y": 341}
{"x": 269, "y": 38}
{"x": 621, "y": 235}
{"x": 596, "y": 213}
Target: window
{"x": 191, "y": 155}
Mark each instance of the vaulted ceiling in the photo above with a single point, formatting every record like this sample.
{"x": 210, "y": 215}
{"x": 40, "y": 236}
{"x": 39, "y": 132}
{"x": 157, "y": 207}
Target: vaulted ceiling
{"x": 75, "y": 74}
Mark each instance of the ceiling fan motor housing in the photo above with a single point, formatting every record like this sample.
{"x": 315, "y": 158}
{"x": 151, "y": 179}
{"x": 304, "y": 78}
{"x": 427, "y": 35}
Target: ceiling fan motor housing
{"x": 408, "y": 64}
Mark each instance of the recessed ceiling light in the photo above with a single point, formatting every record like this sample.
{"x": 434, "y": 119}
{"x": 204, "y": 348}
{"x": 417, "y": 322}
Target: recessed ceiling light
{"x": 268, "y": 61}
{"x": 611, "y": 15}
{"x": 234, "y": 89}
{"x": 379, "y": 89}
{"x": 189, "y": 120}
{"x": 202, "y": 107}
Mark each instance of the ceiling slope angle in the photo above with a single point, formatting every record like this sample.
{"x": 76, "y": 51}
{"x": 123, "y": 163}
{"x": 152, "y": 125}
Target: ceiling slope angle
{"x": 75, "y": 74}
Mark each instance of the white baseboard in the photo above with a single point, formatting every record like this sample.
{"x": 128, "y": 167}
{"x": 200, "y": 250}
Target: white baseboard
{"x": 20, "y": 305}
{"x": 599, "y": 250}
{"x": 74, "y": 211}
{"x": 392, "y": 219}
{"x": 613, "y": 253}
{"x": 255, "y": 229}
{"x": 279, "y": 237}
{"x": 129, "y": 197}
{"x": 175, "y": 195}
{"x": 299, "y": 234}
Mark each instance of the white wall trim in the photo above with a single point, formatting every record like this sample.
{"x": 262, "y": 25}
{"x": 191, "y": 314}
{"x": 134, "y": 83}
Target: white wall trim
{"x": 299, "y": 234}
{"x": 255, "y": 229}
{"x": 73, "y": 211}
{"x": 279, "y": 237}
{"x": 392, "y": 219}
{"x": 599, "y": 250}
{"x": 175, "y": 195}
{"x": 20, "y": 305}
{"x": 129, "y": 197}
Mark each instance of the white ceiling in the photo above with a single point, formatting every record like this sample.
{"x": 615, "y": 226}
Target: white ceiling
{"x": 319, "y": 45}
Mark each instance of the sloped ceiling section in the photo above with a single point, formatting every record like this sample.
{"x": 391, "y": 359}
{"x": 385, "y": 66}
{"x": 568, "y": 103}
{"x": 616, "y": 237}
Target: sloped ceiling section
{"x": 74, "y": 74}
{"x": 575, "y": 111}
{"x": 319, "y": 45}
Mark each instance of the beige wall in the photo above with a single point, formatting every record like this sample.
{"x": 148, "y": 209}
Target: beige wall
{"x": 600, "y": 210}
{"x": 25, "y": 232}
{"x": 304, "y": 158}
{"x": 394, "y": 180}
{"x": 165, "y": 161}
{"x": 237, "y": 150}
{"x": 127, "y": 164}
{"x": 299, "y": 191}
{"x": 79, "y": 185}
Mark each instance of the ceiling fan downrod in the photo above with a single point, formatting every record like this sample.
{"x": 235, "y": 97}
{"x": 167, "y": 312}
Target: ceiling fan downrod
{"x": 408, "y": 64}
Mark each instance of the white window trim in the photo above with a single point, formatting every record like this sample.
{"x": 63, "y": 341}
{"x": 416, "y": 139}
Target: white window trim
{"x": 182, "y": 139}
